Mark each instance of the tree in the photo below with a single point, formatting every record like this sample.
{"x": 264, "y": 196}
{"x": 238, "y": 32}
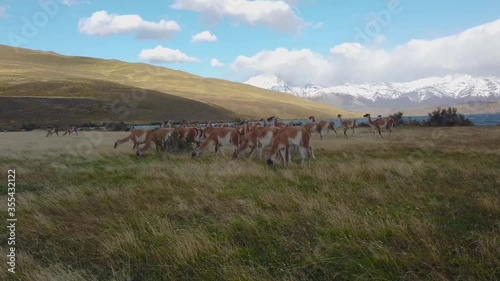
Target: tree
{"x": 398, "y": 118}
{"x": 447, "y": 117}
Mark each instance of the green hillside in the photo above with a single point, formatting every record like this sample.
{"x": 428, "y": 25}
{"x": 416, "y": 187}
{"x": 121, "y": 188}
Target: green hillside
{"x": 88, "y": 89}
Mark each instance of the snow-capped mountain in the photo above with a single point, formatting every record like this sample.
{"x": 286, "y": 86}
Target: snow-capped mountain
{"x": 450, "y": 89}
{"x": 270, "y": 82}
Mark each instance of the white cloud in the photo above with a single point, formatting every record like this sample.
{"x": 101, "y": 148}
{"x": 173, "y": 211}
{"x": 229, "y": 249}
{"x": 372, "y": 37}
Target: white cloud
{"x": 474, "y": 52}
{"x": 377, "y": 40}
{"x": 101, "y": 24}
{"x": 215, "y": 63}
{"x": 318, "y": 25}
{"x": 3, "y": 12}
{"x": 161, "y": 54}
{"x": 204, "y": 36}
{"x": 296, "y": 66}
{"x": 278, "y": 15}
{"x": 69, "y": 2}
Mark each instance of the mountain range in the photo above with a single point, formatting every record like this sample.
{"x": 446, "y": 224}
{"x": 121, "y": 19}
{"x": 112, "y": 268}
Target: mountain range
{"x": 430, "y": 92}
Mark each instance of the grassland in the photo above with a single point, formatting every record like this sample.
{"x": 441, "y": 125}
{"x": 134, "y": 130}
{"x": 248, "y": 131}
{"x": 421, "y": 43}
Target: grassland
{"x": 422, "y": 205}
{"x": 28, "y": 73}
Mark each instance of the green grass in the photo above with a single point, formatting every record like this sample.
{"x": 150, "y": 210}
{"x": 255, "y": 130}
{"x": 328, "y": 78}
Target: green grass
{"x": 366, "y": 209}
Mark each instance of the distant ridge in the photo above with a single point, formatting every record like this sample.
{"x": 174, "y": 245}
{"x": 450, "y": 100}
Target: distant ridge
{"x": 451, "y": 89}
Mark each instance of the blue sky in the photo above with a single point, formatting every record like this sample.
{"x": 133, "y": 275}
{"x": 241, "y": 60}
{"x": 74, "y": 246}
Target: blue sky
{"x": 301, "y": 41}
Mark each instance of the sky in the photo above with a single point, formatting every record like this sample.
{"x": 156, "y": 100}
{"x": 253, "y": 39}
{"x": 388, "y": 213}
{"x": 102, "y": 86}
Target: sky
{"x": 326, "y": 42}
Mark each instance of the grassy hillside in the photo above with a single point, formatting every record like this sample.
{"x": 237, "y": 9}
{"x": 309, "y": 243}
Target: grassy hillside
{"x": 422, "y": 205}
{"x": 24, "y": 72}
{"x": 82, "y": 101}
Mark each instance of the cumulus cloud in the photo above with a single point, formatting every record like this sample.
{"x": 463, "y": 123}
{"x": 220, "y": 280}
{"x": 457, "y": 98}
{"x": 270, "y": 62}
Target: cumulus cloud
{"x": 3, "y": 12}
{"x": 215, "y": 63}
{"x": 296, "y": 66}
{"x": 474, "y": 52}
{"x": 278, "y": 15}
{"x": 101, "y": 24}
{"x": 161, "y": 54}
{"x": 204, "y": 36}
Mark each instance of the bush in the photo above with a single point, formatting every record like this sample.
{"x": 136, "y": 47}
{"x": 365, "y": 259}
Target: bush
{"x": 89, "y": 124}
{"x": 30, "y": 127}
{"x": 398, "y": 118}
{"x": 117, "y": 126}
{"x": 447, "y": 117}
{"x": 412, "y": 122}
{"x": 237, "y": 119}
{"x": 172, "y": 143}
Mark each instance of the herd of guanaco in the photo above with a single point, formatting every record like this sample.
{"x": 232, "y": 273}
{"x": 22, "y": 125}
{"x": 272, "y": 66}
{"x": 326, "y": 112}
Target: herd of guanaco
{"x": 281, "y": 138}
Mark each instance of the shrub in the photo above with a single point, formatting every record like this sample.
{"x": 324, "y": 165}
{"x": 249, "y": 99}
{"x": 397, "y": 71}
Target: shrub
{"x": 398, "y": 118}
{"x": 88, "y": 124}
{"x": 447, "y": 117}
{"x": 237, "y": 119}
{"x": 30, "y": 127}
{"x": 117, "y": 126}
{"x": 412, "y": 122}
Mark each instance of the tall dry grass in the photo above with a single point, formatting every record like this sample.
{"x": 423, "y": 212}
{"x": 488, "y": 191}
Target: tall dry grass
{"x": 422, "y": 205}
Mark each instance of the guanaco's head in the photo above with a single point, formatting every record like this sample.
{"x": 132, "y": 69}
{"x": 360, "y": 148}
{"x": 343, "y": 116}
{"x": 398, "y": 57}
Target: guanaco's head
{"x": 270, "y": 161}
{"x": 244, "y": 144}
{"x": 195, "y": 154}
{"x": 366, "y": 115}
{"x": 236, "y": 154}
{"x": 116, "y": 144}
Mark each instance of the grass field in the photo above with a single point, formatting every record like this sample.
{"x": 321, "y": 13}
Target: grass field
{"x": 422, "y": 205}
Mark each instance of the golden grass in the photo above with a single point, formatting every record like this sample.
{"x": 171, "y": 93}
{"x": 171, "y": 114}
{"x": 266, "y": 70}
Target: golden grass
{"x": 27, "y": 66}
{"x": 422, "y": 205}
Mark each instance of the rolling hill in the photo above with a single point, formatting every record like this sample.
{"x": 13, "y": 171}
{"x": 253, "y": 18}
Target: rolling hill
{"x": 86, "y": 101}
{"x": 45, "y": 87}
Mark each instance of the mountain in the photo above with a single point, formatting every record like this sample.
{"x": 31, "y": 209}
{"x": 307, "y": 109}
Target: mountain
{"x": 428, "y": 92}
{"x": 49, "y": 88}
{"x": 270, "y": 82}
